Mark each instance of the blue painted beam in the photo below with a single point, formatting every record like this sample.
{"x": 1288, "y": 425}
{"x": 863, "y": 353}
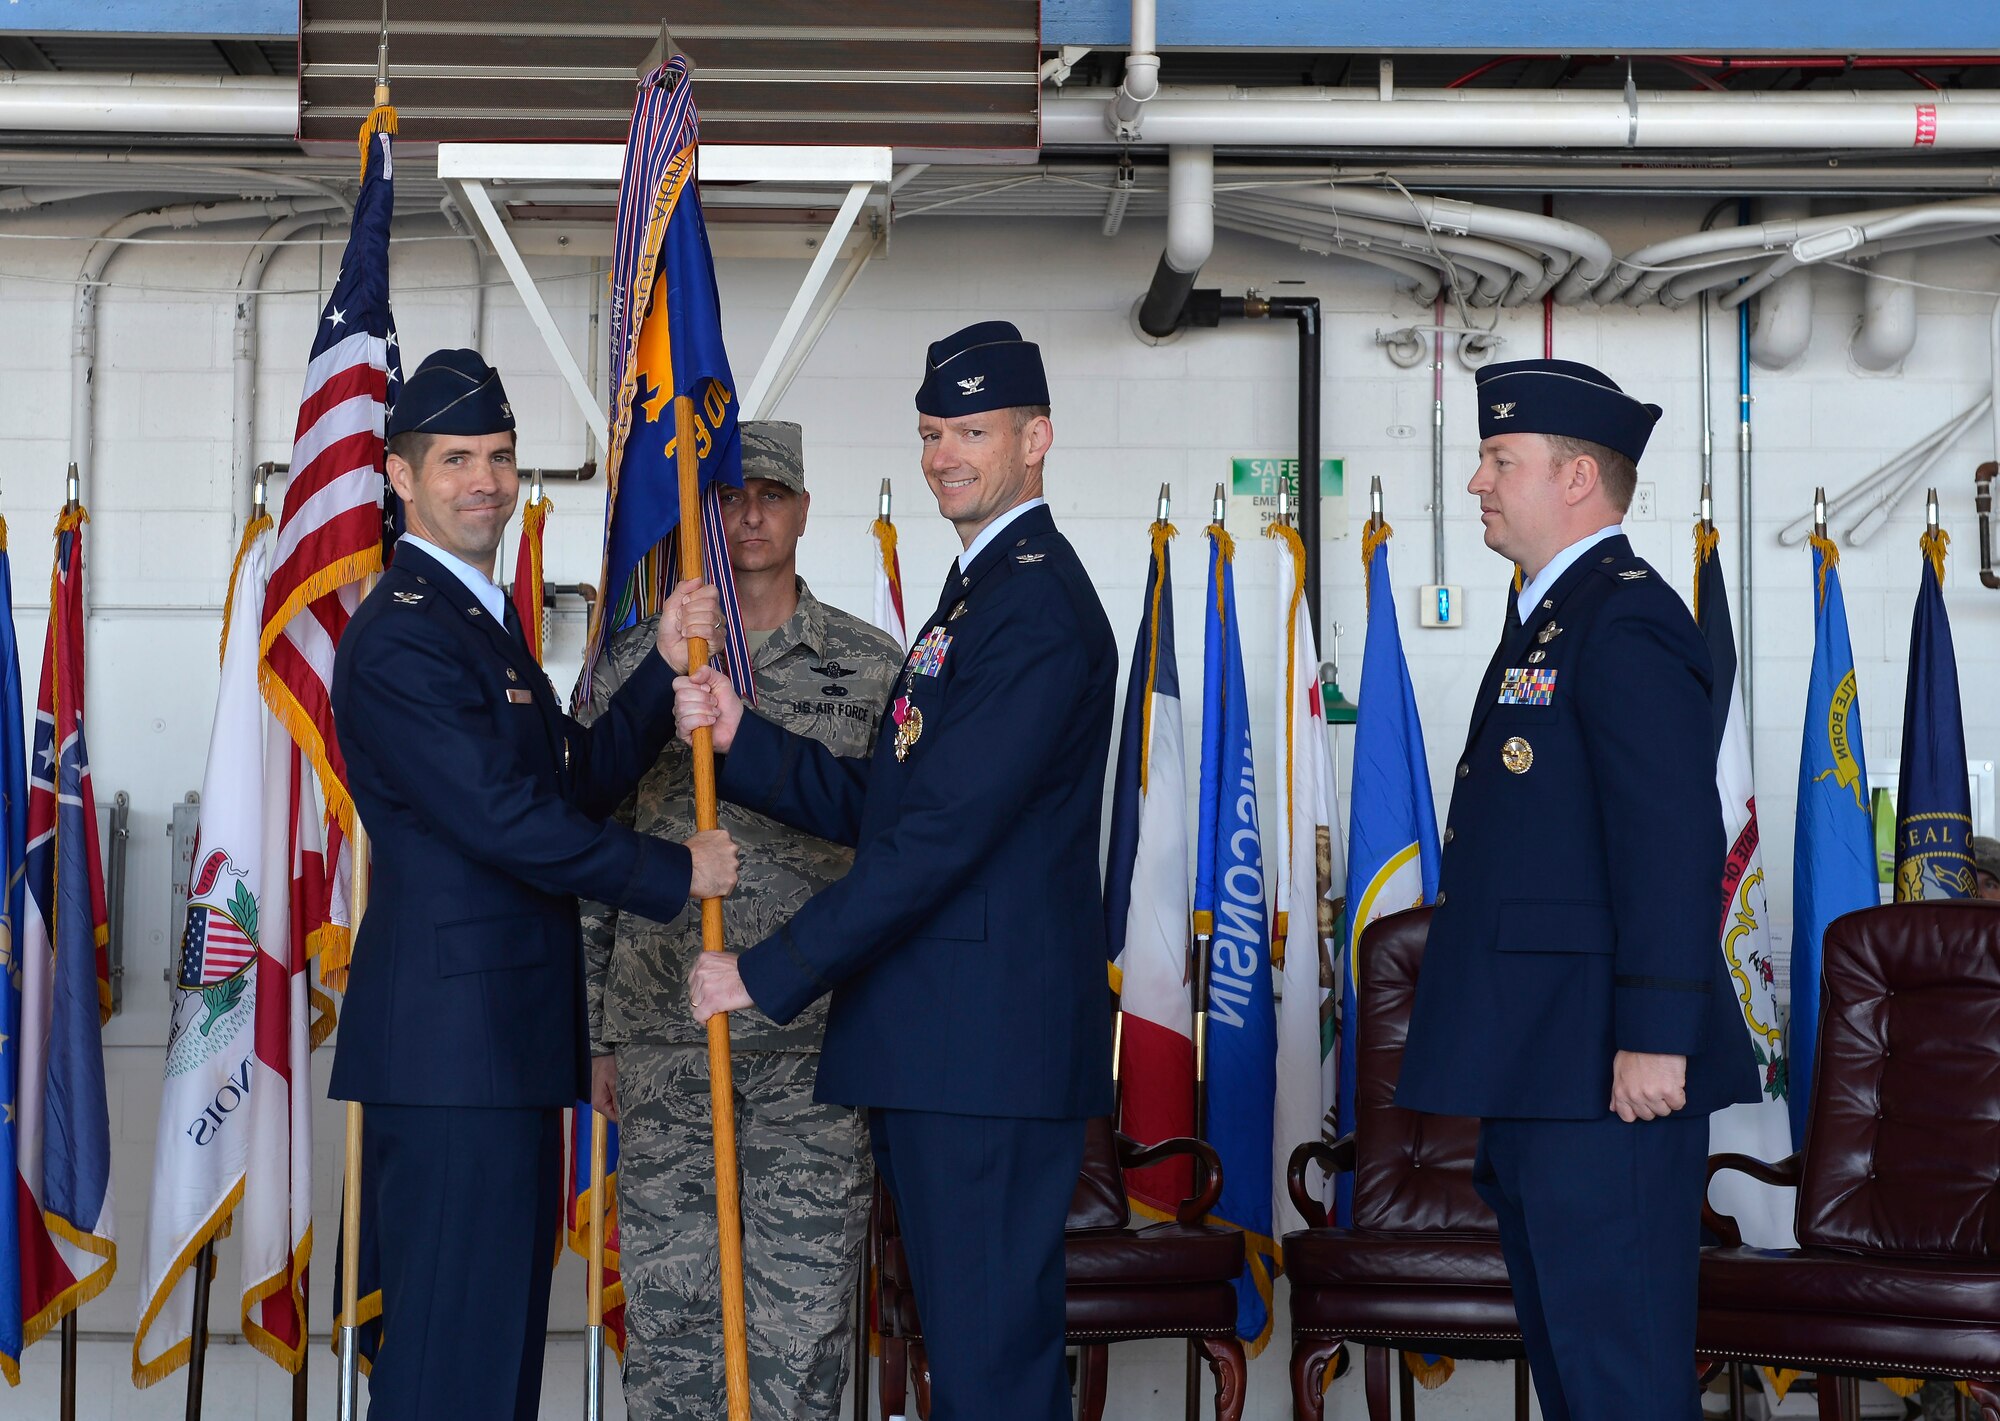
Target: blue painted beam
{"x": 1554, "y": 26}
{"x": 208, "y": 19}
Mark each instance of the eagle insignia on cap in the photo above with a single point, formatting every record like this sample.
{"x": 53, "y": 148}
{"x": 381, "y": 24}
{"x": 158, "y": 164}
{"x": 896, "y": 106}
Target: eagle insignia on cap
{"x": 1505, "y": 411}
{"x": 506, "y": 409}
{"x": 971, "y": 385}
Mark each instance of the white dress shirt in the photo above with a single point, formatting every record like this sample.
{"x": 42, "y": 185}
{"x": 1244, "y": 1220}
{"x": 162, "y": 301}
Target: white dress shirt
{"x": 476, "y": 582}
{"x": 1532, "y": 592}
{"x": 995, "y": 529}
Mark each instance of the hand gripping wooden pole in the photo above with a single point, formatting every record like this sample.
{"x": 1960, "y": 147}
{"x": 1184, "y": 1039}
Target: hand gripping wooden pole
{"x": 721, "y": 1089}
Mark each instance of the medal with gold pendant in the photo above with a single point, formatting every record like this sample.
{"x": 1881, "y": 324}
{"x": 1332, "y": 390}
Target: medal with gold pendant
{"x": 909, "y": 727}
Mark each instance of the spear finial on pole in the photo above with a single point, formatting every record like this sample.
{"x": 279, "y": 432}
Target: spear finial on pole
{"x": 884, "y": 502}
{"x": 1375, "y": 499}
{"x": 1219, "y": 505}
{"x": 663, "y": 50}
{"x": 1819, "y": 513}
{"x": 1930, "y": 510}
{"x": 1164, "y": 512}
{"x": 382, "y": 61}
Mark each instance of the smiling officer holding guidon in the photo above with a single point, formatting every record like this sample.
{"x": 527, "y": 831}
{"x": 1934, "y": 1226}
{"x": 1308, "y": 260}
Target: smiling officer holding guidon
{"x": 965, "y": 948}
{"x": 1572, "y": 994}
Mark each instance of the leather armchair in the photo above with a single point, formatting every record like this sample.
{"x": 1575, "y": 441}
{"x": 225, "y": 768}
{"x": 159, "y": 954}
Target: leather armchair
{"x": 1170, "y": 1279}
{"x": 1421, "y": 1269}
{"x": 1897, "y": 1272}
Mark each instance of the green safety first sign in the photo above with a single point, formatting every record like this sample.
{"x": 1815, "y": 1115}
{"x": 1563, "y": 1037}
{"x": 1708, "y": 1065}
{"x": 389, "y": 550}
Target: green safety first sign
{"x": 1253, "y": 494}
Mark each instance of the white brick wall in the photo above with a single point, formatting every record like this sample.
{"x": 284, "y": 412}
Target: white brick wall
{"x": 1127, "y": 417}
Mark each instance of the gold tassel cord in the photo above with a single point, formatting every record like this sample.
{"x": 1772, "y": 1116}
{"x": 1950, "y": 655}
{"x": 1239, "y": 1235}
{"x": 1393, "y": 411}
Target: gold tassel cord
{"x": 1289, "y": 536}
{"x": 1374, "y": 536}
{"x": 1934, "y": 543}
{"x": 1706, "y": 540}
{"x": 1828, "y": 560}
{"x": 258, "y": 527}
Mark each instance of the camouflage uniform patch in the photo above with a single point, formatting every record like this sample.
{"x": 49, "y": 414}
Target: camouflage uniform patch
{"x": 805, "y": 1167}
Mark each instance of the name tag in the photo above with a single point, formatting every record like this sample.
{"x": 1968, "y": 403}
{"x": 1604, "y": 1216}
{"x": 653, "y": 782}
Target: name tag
{"x": 1527, "y": 686}
{"x": 520, "y": 697}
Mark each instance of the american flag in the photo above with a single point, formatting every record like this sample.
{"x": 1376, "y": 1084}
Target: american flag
{"x": 214, "y": 948}
{"x": 330, "y": 537}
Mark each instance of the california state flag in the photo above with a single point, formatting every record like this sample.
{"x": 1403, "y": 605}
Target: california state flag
{"x": 1310, "y": 860}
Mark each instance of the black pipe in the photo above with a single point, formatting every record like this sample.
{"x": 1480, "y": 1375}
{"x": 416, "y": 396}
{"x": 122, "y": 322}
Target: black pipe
{"x": 1166, "y": 300}
{"x": 1982, "y": 499}
{"x": 1209, "y": 308}
{"x": 1305, "y": 310}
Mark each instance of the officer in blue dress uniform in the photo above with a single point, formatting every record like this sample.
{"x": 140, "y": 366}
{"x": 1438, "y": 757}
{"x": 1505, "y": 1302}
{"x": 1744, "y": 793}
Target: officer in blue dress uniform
{"x": 1573, "y": 993}
{"x": 965, "y": 949}
{"x": 489, "y": 809}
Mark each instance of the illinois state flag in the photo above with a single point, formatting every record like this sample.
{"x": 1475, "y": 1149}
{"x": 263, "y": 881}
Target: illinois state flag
{"x": 68, "y": 1250}
{"x": 1762, "y": 1128}
{"x": 1146, "y": 901}
{"x": 203, "y": 1138}
{"x": 1392, "y": 837}
{"x": 1833, "y": 847}
{"x": 666, "y": 344}
{"x": 1933, "y": 796}
{"x": 1309, "y": 860}
{"x": 13, "y": 894}
{"x": 1229, "y": 908}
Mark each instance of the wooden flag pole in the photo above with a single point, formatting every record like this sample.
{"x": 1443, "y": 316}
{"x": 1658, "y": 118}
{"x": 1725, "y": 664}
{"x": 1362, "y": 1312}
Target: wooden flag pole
{"x": 350, "y": 1192}
{"x": 721, "y": 1089}
{"x": 593, "y": 1375}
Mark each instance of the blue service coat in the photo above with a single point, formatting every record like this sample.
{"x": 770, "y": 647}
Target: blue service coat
{"x": 1580, "y": 892}
{"x": 965, "y": 949}
{"x": 489, "y": 811}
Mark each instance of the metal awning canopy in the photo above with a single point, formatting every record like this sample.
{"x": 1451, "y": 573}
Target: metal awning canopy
{"x": 575, "y": 180}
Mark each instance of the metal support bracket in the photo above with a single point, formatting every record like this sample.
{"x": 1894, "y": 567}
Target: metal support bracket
{"x": 114, "y": 894}
{"x": 470, "y": 170}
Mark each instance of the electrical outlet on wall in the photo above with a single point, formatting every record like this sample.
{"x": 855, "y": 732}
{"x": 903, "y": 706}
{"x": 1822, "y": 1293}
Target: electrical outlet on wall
{"x": 1641, "y": 510}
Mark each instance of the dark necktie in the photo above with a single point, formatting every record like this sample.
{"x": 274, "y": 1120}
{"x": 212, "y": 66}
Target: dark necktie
{"x": 512, "y": 617}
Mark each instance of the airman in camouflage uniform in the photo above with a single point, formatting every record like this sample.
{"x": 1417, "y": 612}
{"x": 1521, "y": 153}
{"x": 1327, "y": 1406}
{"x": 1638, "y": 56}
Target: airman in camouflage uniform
{"x": 805, "y": 1166}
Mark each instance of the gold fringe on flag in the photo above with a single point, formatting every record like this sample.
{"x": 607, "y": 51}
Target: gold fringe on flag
{"x": 175, "y": 1357}
{"x": 885, "y": 542}
{"x": 290, "y": 1279}
{"x": 258, "y": 526}
{"x": 1288, "y": 535}
{"x": 1430, "y": 1375}
{"x": 1829, "y": 559}
{"x": 1161, "y": 532}
{"x": 381, "y": 119}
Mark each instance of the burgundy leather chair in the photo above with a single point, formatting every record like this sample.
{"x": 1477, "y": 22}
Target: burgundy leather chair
{"x": 1123, "y": 1282}
{"x": 1421, "y": 1270}
{"x": 1897, "y": 1272}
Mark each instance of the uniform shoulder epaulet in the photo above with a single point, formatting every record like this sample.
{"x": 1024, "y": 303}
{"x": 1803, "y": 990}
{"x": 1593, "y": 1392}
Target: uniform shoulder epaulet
{"x": 1630, "y": 568}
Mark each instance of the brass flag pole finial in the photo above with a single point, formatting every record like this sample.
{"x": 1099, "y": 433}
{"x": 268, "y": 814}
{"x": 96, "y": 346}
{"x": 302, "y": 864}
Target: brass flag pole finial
{"x": 1164, "y": 510}
{"x": 1220, "y": 504}
{"x": 1819, "y": 513}
{"x": 663, "y": 51}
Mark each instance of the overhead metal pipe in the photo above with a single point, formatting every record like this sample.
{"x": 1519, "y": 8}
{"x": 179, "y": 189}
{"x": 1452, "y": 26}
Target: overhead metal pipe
{"x": 1142, "y": 73}
{"x": 1942, "y": 121}
{"x": 233, "y": 105}
{"x": 1781, "y": 327}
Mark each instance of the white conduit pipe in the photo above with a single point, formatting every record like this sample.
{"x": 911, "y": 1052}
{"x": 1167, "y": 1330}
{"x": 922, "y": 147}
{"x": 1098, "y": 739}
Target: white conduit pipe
{"x": 1142, "y": 75}
{"x": 1781, "y": 326}
{"x": 1883, "y": 504}
{"x": 232, "y": 105}
{"x": 243, "y": 359}
{"x": 1887, "y": 331}
{"x": 1958, "y": 222}
{"x": 1507, "y": 275}
{"x": 1705, "y": 277}
{"x": 1321, "y": 240}
{"x": 83, "y": 326}
{"x": 1480, "y": 118}
{"x": 1190, "y": 208}
{"x": 1880, "y": 488}
{"x": 1647, "y": 270}
{"x": 1423, "y": 282}
{"x": 1577, "y": 255}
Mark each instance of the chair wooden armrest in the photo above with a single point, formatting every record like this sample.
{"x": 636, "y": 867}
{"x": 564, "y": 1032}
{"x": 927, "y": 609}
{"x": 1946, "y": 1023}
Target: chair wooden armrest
{"x": 1133, "y": 1155}
{"x": 1336, "y": 1158}
{"x": 1785, "y": 1173}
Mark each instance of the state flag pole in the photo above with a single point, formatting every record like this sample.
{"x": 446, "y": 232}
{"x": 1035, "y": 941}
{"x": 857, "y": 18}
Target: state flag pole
{"x": 593, "y": 1376}
{"x": 1198, "y": 980}
{"x": 72, "y": 500}
{"x": 721, "y": 1090}
{"x": 350, "y": 1192}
